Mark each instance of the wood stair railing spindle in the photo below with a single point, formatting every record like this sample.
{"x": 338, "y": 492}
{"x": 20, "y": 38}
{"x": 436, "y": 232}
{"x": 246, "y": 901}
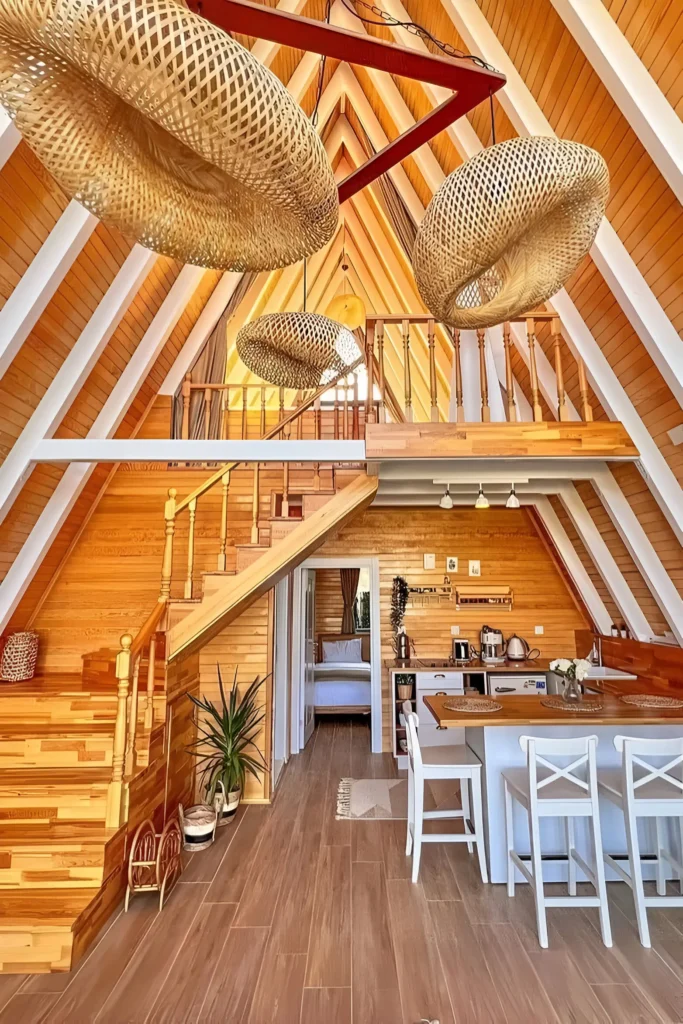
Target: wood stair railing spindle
{"x": 225, "y": 490}
{"x": 483, "y": 378}
{"x": 263, "y": 411}
{"x": 187, "y": 395}
{"x": 459, "y": 407}
{"x": 285, "y": 489}
{"x": 562, "y": 410}
{"x": 433, "y": 398}
{"x": 151, "y": 665}
{"x": 535, "y": 399}
{"x": 115, "y": 789}
{"x": 370, "y": 331}
{"x": 407, "y": 383}
{"x": 132, "y": 714}
{"x": 167, "y": 560}
{"x": 355, "y": 428}
{"x": 208, "y": 395}
{"x": 281, "y": 409}
{"x": 509, "y": 380}
{"x": 381, "y": 381}
{"x": 345, "y": 411}
{"x": 316, "y": 476}
{"x": 192, "y": 511}
{"x": 245, "y": 410}
{"x": 255, "y": 506}
{"x": 586, "y": 409}
{"x": 226, "y": 415}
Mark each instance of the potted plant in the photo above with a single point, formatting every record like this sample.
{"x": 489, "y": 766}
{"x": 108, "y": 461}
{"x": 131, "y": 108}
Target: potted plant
{"x": 226, "y": 749}
{"x": 573, "y": 671}
{"x": 404, "y": 685}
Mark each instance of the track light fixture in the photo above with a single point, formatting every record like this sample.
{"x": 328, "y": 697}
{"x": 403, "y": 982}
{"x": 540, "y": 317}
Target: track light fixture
{"x": 446, "y": 500}
{"x": 482, "y": 501}
{"x": 513, "y": 500}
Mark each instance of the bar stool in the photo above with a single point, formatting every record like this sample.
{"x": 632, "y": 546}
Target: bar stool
{"x": 455, "y": 761}
{"x": 645, "y": 791}
{"x": 546, "y": 789}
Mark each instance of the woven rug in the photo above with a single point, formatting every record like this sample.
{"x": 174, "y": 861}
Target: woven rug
{"x": 372, "y": 798}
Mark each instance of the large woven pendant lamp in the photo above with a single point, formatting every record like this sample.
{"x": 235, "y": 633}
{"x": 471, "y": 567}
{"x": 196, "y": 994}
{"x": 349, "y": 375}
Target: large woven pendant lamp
{"x": 163, "y": 125}
{"x": 507, "y": 229}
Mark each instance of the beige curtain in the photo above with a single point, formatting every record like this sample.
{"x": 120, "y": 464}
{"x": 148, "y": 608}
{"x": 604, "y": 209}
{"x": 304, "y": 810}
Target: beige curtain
{"x": 349, "y": 586}
{"x": 209, "y": 368}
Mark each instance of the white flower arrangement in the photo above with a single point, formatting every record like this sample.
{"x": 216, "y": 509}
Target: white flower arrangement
{"x": 576, "y": 668}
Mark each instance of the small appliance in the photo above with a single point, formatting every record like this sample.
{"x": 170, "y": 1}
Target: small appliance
{"x": 531, "y": 686}
{"x": 517, "y": 649}
{"x": 492, "y": 645}
{"x": 462, "y": 650}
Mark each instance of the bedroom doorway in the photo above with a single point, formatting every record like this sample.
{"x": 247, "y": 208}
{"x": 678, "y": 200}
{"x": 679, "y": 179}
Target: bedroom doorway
{"x": 336, "y": 653}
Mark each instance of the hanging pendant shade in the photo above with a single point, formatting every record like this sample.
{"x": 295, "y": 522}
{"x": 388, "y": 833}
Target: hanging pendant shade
{"x": 296, "y": 350}
{"x": 347, "y": 309}
{"x": 507, "y": 229}
{"x": 160, "y": 123}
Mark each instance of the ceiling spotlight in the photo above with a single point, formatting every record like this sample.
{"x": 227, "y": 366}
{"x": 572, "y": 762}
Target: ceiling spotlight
{"x": 446, "y": 500}
{"x": 513, "y": 500}
{"x": 482, "y": 501}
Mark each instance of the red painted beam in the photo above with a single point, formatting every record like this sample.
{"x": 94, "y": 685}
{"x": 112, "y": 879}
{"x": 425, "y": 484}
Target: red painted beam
{"x": 253, "y": 19}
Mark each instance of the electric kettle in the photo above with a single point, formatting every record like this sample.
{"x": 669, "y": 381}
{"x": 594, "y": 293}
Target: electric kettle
{"x": 517, "y": 649}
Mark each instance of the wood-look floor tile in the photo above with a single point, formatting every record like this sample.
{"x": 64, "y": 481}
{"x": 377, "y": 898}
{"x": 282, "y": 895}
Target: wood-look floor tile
{"x": 234, "y": 982}
{"x": 368, "y": 839}
{"x": 326, "y": 1006}
{"x": 291, "y": 927}
{"x": 572, "y": 998}
{"x": 424, "y": 992}
{"x": 312, "y": 809}
{"x": 329, "y": 958}
{"x": 337, "y": 833}
{"x": 524, "y": 997}
{"x": 100, "y": 973}
{"x": 396, "y": 864}
{"x": 279, "y": 1001}
{"x": 626, "y": 1004}
{"x": 141, "y": 982}
{"x": 11, "y": 983}
{"x": 598, "y": 964}
{"x": 436, "y": 873}
{"x": 184, "y": 990}
{"x": 202, "y": 866}
{"x": 646, "y": 969}
{"x": 474, "y": 995}
{"x": 35, "y": 1008}
{"x": 228, "y": 884}
{"x": 374, "y": 988}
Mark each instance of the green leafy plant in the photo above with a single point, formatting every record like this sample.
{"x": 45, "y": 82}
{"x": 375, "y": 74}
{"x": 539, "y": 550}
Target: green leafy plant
{"x": 399, "y": 603}
{"x": 226, "y": 749}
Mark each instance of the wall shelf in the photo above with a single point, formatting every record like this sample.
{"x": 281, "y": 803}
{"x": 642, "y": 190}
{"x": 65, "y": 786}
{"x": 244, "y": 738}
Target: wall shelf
{"x": 469, "y": 596}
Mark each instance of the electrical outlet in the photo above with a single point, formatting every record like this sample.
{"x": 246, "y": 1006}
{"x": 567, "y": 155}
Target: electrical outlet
{"x": 539, "y": 630}
{"x": 429, "y": 561}
{"x": 455, "y": 630}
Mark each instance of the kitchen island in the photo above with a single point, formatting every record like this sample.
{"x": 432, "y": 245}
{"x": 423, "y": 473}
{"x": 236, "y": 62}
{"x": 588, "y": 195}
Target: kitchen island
{"x": 494, "y": 737}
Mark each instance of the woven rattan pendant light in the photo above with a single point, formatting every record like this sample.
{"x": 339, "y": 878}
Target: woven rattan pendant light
{"x": 163, "y": 125}
{"x": 507, "y": 229}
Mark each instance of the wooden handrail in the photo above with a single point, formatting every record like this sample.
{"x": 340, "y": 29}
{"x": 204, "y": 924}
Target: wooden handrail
{"x": 149, "y": 628}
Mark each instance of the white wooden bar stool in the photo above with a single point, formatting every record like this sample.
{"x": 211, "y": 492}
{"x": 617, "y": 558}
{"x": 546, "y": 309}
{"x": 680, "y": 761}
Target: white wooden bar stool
{"x": 442, "y": 762}
{"x": 547, "y": 789}
{"x": 645, "y": 791}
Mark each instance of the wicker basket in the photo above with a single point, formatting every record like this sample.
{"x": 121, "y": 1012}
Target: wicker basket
{"x": 19, "y": 657}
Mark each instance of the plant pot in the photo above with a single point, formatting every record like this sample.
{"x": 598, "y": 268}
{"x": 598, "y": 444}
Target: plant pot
{"x": 405, "y": 691}
{"x": 230, "y": 804}
{"x": 199, "y": 826}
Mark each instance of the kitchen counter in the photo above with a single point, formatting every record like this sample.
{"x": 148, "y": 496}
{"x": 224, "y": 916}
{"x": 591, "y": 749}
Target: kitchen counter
{"x": 529, "y": 710}
{"x": 469, "y": 667}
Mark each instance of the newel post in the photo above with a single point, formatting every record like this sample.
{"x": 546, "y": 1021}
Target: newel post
{"x": 167, "y": 563}
{"x": 115, "y": 792}
{"x": 186, "y": 394}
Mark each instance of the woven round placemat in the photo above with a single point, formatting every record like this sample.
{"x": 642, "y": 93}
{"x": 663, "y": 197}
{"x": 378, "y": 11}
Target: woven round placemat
{"x": 583, "y": 706}
{"x": 477, "y": 705}
{"x": 651, "y": 700}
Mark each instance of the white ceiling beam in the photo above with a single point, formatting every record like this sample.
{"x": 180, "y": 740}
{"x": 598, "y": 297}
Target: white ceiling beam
{"x": 604, "y": 562}
{"x": 630, "y": 85}
{"x": 628, "y": 285}
{"x": 10, "y": 137}
{"x": 72, "y": 450}
{"x": 42, "y": 278}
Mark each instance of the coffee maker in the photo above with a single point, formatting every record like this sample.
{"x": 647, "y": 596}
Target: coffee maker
{"x": 492, "y": 645}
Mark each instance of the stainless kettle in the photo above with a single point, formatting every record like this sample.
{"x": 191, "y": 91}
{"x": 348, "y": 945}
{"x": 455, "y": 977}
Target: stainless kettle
{"x": 517, "y": 649}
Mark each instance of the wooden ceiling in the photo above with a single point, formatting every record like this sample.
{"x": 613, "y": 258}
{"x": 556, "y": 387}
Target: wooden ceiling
{"x": 565, "y": 88}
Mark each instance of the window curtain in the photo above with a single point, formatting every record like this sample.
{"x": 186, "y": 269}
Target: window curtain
{"x": 209, "y": 368}
{"x": 349, "y": 586}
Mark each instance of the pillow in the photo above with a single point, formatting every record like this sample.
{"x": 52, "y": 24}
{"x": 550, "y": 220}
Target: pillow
{"x": 342, "y": 650}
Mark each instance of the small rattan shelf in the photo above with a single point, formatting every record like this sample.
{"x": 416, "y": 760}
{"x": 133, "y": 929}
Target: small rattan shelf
{"x": 469, "y": 596}
{"x": 420, "y": 596}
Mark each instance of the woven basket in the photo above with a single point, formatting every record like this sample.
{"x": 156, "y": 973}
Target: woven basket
{"x": 19, "y": 657}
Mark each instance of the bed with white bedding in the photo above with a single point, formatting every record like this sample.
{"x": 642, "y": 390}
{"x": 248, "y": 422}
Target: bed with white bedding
{"x": 342, "y": 676}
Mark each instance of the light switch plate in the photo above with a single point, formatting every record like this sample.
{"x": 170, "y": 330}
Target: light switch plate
{"x": 455, "y": 630}
{"x": 429, "y": 561}
{"x": 539, "y": 630}
{"x": 475, "y": 567}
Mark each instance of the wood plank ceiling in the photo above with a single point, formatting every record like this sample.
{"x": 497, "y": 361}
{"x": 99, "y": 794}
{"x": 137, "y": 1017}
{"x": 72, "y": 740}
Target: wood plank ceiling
{"x": 643, "y": 211}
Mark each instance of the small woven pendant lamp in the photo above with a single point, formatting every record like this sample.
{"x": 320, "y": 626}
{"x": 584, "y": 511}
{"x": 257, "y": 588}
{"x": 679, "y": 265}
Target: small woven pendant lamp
{"x": 507, "y": 229}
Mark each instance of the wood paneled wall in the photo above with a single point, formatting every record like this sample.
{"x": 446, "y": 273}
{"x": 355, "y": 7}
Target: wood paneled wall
{"x": 511, "y": 553}
{"x": 329, "y": 603}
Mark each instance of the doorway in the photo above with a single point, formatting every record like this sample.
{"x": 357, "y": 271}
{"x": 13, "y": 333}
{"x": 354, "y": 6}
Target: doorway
{"x": 334, "y": 670}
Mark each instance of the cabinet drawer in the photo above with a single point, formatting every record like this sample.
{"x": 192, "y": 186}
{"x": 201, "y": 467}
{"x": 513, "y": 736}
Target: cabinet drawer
{"x": 441, "y": 680}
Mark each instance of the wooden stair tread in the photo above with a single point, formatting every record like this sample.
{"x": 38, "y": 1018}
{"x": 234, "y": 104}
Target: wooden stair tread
{"x": 59, "y": 730}
{"x": 51, "y": 778}
{"x": 39, "y": 833}
{"x": 62, "y": 683}
{"x": 44, "y": 908}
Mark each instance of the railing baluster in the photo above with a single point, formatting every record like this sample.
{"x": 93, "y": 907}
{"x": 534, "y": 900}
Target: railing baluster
{"x": 263, "y": 411}
{"x": 192, "y": 512}
{"x": 407, "y": 384}
{"x": 370, "y": 367}
{"x": 187, "y": 395}
{"x": 345, "y": 410}
{"x": 285, "y": 489}
{"x": 355, "y": 432}
{"x": 535, "y": 400}
{"x": 225, "y": 415}
{"x": 151, "y": 664}
{"x": 459, "y": 407}
{"x": 132, "y": 712}
{"x": 115, "y": 790}
{"x": 431, "y": 341}
{"x": 255, "y": 506}
{"x": 586, "y": 410}
{"x": 379, "y": 328}
{"x": 207, "y": 412}
{"x": 281, "y": 411}
{"x": 225, "y": 489}
{"x": 167, "y": 561}
{"x": 509, "y": 380}
{"x": 562, "y": 410}
{"x": 245, "y": 404}
{"x": 483, "y": 377}
{"x": 317, "y": 412}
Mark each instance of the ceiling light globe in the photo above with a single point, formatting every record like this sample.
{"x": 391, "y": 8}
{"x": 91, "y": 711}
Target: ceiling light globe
{"x": 446, "y": 501}
{"x": 482, "y": 501}
{"x": 513, "y": 501}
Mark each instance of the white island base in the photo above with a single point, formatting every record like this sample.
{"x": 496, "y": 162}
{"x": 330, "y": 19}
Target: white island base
{"x": 497, "y": 747}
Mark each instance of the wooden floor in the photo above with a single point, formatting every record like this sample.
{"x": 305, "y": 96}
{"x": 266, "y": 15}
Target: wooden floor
{"x": 293, "y": 917}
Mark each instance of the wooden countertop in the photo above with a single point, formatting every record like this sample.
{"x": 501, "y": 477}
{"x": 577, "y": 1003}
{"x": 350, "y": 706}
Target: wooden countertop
{"x": 469, "y": 667}
{"x": 521, "y": 710}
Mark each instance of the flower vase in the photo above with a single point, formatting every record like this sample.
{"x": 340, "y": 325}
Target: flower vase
{"x": 572, "y": 693}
